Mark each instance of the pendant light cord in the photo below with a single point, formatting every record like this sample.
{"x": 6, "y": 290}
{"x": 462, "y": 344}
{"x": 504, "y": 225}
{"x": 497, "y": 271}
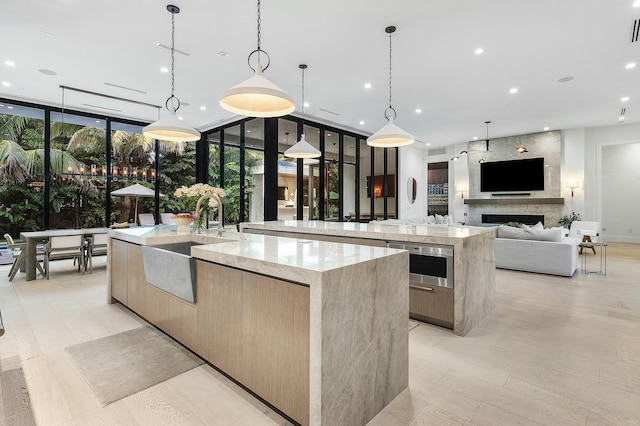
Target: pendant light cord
{"x": 303, "y": 96}
{"x": 173, "y": 36}
{"x": 390, "y": 70}
{"x": 259, "y": 31}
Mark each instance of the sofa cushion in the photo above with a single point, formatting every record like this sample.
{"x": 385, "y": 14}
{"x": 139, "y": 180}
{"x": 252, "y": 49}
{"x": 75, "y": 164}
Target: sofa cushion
{"x": 505, "y": 231}
{"x": 554, "y": 235}
{"x": 537, "y": 227}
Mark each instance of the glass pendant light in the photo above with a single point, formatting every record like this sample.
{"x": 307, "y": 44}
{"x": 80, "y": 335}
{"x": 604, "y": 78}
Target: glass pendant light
{"x": 257, "y": 96}
{"x": 169, "y": 127}
{"x": 302, "y": 149}
{"x": 390, "y": 136}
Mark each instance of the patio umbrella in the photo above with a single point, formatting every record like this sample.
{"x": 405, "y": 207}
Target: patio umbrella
{"x": 135, "y": 190}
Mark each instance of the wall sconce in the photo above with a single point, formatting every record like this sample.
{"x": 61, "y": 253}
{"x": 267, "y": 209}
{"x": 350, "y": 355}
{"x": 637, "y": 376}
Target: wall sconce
{"x": 461, "y": 189}
{"x": 573, "y": 184}
{"x": 521, "y": 149}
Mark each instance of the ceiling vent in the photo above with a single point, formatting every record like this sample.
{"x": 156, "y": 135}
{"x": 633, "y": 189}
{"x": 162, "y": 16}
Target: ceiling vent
{"x": 635, "y": 31}
{"x": 439, "y": 151}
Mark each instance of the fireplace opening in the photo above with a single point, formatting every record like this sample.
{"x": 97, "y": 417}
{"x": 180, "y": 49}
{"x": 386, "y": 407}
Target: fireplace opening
{"x": 500, "y": 219}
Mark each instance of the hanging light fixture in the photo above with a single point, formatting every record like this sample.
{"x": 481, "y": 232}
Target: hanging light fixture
{"x": 521, "y": 149}
{"x": 257, "y": 96}
{"x": 302, "y": 149}
{"x": 390, "y": 136}
{"x": 487, "y": 142}
{"x": 169, "y": 127}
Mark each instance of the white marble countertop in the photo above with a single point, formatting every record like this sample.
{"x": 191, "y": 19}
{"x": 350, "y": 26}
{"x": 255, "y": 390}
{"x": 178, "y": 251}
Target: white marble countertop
{"x": 288, "y": 258}
{"x": 449, "y": 235}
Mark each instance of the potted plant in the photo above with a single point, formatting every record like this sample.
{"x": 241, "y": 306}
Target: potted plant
{"x": 568, "y": 219}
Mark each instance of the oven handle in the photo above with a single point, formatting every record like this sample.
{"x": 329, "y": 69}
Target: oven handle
{"x": 417, "y": 287}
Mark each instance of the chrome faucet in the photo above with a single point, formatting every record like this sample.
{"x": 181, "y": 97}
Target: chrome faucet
{"x": 197, "y": 213}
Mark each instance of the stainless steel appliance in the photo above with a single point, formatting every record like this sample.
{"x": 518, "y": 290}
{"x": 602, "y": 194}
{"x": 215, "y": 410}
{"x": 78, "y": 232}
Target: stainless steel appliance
{"x": 430, "y": 282}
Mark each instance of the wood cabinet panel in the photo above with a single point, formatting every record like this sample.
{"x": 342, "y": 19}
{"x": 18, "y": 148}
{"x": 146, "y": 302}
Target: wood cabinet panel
{"x": 220, "y": 317}
{"x": 119, "y": 271}
{"x": 157, "y": 307}
{"x": 432, "y": 304}
{"x": 275, "y": 337}
{"x": 183, "y": 322}
{"x": 137, "y": 285}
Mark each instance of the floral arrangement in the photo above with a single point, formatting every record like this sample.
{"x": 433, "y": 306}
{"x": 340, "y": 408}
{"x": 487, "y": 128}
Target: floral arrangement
{"x": 189, "y": 196}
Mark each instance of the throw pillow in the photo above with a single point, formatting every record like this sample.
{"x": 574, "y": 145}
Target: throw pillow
{"x": 509, "y": 232}
{"x": 538, "y": 226}
{"x": 439, "y": 219}
{"x": 431, "y": 219}
{"x": 553, "y": 235}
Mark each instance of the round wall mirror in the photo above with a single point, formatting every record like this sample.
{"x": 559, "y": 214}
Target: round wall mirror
{"x": 412, "y": 189}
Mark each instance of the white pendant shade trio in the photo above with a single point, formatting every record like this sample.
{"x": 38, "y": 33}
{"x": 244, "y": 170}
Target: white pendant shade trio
{"x": 169, "y": 127}
{"x": 302, "y": 149}
{"x": 257, "y": 96}
{"x": 390, "y": 136}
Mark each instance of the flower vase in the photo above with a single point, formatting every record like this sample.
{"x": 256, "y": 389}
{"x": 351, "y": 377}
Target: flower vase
{"x": 199, "y": 225}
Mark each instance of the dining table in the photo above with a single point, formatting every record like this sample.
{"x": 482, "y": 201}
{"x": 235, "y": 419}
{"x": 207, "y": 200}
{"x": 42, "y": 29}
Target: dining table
{"x": 33, "y": 238}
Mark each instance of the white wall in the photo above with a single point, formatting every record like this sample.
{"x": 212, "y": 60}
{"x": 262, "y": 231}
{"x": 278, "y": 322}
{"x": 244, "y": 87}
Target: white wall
{"x": 601, "y": 173}
{"x": 458, "y": 178}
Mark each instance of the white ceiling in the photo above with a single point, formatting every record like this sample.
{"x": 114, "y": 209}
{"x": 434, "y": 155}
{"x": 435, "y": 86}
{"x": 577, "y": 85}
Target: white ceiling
{"x": 528, "y": 44}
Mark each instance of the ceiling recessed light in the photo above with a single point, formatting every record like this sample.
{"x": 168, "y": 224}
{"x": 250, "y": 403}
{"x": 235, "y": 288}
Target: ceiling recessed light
{"x": 1, "y": 105}
{"x": 306, "y": 104}
{"x": 361, "y": 122}
{"x": 418, "y": 110}
{"x": 428, "y": 144}
{"x": 248, "y": 131}
{"x": 513, "y": 90}
{"x": 630, "y": 65}
{"x": 180, "y": 118}
{"x": 203, "y": 108}
{"x": 565, "y": 79}
{"x": 625, "y": 99}
{"x": 621, "y": 118}
{"x": 636, "y": 3}
{"x": 479, "y": 51}
{"x": 475, "y": 138}
{"x": 164, "y": 69}
{"x": 10, "y": 63}
{"x": 97, "y": 121}
{"x": 367, "y": 85}
{"x": 6, "y": 84}
{"x": 546, "y": 128}
{"x": 46, "y": 34}
{"x": 47, "y": 72}
{"x": 9, "y": 107}
{"x": 223, "y": 54}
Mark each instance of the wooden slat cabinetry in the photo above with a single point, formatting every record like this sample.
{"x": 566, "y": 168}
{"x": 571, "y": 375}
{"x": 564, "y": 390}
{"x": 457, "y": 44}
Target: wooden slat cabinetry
{"x": 177, "y": 317}
{"x": 219, "y": 292}
{"x": 119, "y": 271}
{"x": 432, "y": 304}
{"x": 256, "y": 329}
{"x": 137, "y": 284}
{"x": 275, "y": 335}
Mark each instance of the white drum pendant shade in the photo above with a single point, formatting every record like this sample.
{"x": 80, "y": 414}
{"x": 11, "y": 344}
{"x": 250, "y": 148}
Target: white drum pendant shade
{"x": 390, "y": 136}
{"x": 169, "y": 128}
{"x": 257, "y": 97}
{"x": 302, "y": 149}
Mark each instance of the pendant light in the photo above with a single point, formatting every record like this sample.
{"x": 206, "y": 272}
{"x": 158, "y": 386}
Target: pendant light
{"x": 169, "y": 127}
{"x": 390, "y": 136}
{"x": 302, "y": 149}
{"x": 257, "y": 96}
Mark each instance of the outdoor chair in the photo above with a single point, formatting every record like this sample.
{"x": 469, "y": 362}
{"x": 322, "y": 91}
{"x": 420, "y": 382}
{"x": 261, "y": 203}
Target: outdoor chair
{"x": 64, "y": 247}
{"x": 165, "y": 219}
{"x": 146, "y": 219}
{"x": 18, "y": 250}
{"x": 96, "y": 245}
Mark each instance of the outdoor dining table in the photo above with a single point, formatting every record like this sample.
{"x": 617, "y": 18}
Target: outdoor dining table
{"x": 34, "y": 238}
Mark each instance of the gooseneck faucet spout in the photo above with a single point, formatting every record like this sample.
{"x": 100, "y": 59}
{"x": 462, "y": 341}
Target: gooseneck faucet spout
{"x": 220, "y": 211}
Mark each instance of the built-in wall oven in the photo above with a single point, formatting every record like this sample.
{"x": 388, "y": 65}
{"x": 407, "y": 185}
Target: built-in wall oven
{"x": 430, "y": 282}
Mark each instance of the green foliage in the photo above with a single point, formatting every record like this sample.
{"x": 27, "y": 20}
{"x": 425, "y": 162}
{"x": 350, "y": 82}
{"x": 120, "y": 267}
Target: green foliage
{"x": 514, "y": 224}
{"x": 567, "y": 220}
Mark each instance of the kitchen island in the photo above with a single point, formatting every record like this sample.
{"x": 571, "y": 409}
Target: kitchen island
{"x": 460, "y": 303}
{"x": 316, "y": 329}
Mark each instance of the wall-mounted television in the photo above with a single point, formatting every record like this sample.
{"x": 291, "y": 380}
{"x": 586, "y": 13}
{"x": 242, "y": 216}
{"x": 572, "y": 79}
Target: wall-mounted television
{"x": 514, "y": 175}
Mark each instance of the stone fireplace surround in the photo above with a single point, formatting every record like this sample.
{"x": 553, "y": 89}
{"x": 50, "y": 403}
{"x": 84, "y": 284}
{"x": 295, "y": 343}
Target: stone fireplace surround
{"x": 546, "y": 203}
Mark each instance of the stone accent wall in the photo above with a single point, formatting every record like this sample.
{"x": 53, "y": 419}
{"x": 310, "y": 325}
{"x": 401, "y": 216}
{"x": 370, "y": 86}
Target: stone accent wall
{"x": 546, "y": 145}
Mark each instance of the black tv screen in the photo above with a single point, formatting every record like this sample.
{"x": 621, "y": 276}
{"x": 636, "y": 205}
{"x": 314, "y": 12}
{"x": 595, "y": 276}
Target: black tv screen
{"x": 515, "y": 175}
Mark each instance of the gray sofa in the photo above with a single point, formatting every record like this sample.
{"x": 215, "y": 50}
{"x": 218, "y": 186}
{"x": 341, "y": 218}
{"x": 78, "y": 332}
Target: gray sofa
{"x": 523, "y": 253}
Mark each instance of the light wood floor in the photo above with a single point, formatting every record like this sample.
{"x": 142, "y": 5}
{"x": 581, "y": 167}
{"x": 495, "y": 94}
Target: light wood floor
{"x": 554, "y": 351}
